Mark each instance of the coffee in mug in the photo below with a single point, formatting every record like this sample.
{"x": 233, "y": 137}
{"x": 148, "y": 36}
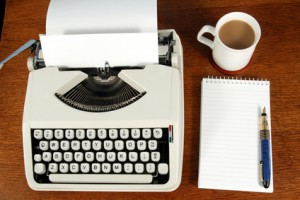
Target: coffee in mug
{"x": 237, "y": 34}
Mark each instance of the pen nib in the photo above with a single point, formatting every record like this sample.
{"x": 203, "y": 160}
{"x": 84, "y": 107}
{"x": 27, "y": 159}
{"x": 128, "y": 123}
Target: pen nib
{"x": 264, "y": 110}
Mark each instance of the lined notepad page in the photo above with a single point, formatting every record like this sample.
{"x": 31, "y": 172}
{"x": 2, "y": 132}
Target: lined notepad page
{"x": 229, "y": 134}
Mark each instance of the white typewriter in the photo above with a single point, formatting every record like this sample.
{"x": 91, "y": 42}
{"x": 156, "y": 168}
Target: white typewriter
{"x": 105, "y": 129}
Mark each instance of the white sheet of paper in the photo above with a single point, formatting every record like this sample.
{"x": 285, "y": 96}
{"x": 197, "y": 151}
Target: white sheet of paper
{"x": 101, "y": 16}
{"x": 91, "y": 32}
{"x": 93, "y": 50}
{"x": 229, "y": 141}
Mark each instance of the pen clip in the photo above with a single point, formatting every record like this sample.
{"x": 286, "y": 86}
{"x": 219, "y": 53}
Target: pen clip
{"x": 261, "y": 175}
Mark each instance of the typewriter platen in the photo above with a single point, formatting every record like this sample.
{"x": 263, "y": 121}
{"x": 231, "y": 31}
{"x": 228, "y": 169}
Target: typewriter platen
{"x": 139, "y": 110}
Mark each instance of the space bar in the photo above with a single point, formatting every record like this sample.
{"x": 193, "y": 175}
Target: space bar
{"x": 100, "y": 178}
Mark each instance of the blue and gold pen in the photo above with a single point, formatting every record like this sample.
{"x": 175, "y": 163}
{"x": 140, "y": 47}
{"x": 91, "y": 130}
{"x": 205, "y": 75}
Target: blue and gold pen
{"x": 265, "y": 150}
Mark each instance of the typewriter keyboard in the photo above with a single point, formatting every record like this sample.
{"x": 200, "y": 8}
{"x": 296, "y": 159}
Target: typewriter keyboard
{"x": 101, "y": 156}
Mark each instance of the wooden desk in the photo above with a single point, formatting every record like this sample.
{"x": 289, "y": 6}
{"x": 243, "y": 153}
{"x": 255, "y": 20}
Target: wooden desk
{"x": 276, "y": 58}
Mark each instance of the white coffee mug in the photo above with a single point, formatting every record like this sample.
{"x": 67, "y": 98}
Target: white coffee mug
{"x": 230, "y": 59}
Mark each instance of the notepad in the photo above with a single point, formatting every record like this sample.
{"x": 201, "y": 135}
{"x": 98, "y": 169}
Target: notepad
{"x": 230, "y": 151}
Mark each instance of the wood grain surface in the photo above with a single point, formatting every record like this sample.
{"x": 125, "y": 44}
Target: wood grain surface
{"x": 276, "y": 58}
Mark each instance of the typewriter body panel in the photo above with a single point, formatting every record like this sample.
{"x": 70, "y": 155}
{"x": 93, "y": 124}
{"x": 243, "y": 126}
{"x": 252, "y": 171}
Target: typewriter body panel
{"x": 161, "y": 107}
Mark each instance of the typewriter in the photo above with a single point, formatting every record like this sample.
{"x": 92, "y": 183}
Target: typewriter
{"x": 105, "y": 129}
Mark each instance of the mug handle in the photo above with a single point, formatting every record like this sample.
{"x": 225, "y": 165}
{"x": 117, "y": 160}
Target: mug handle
{"x": 204, "y": 40}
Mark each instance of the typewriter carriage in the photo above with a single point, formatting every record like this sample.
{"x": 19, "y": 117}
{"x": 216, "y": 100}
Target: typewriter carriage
{"x": 103, "y": 90}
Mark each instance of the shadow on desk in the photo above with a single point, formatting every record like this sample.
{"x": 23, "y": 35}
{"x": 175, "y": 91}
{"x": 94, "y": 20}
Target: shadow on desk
{"x": 2, "y": 10}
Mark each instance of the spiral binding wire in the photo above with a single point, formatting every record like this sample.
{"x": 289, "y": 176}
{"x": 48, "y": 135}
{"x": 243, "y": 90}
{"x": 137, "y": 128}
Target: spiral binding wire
{"x": 236, "y": 80}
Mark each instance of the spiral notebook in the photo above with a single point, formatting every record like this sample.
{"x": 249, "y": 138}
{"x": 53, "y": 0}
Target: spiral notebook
{"x": 229, "y": 134}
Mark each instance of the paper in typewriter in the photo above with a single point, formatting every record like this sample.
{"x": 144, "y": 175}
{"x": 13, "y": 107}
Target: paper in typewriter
{"x": 91, "y": 32}
{"x": 229, "y": 139}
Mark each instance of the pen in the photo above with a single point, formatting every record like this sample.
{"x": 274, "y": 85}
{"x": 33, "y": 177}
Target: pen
{"x": 265, "y": 150}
